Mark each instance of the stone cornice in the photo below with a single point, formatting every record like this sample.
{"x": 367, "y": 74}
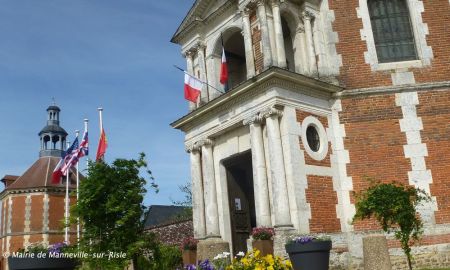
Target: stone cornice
{"x": 7, "y": 192}
{"x": 393, "y": 89}
{"x": 193, "y": 19}
{"x": 273, "y": 77}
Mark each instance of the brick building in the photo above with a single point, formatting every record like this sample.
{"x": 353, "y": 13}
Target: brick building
{"x": 32, "y": 207}
{"x": 322, "y": 94}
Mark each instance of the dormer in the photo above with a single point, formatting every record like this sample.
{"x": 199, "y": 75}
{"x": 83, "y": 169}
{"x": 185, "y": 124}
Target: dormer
{"x": 256, "y": 35}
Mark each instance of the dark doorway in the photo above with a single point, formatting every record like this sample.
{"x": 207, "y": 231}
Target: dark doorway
{"x": 241, "y": 198}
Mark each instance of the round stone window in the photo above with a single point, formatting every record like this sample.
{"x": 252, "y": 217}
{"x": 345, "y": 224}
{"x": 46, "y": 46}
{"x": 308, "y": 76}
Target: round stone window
{"x": 312, "y": 136}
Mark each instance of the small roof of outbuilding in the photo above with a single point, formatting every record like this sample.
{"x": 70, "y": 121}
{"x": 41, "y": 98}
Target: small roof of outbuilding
{"x": 162, "y": 214}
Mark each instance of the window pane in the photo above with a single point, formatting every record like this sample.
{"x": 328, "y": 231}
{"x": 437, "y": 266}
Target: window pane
{"x": 392, "y": 30}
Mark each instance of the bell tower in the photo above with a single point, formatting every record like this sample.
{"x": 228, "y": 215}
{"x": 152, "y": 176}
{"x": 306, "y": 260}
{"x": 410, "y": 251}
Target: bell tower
{"x": 52, "y": 136}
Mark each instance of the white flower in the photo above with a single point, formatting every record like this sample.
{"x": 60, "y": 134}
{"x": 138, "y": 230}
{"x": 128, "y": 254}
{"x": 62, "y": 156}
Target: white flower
{"x": 226, "y": 254}
{"x": 241, "y": 254}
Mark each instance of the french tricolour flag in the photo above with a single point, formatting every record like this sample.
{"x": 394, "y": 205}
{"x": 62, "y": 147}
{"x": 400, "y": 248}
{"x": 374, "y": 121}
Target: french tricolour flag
{"x": 192, "y": 87}
{"x": 223, "y": 68}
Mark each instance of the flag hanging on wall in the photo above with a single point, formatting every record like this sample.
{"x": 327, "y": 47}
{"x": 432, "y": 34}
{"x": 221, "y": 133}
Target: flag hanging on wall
{"x": 223, "y": 68}
{"x": 192, "y": 87}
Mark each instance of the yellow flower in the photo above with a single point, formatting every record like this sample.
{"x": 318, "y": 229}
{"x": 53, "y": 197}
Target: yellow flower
{"x": 288, "y": 264}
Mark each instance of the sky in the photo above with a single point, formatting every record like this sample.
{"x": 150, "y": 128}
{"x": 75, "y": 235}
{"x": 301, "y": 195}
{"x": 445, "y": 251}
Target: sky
{"x": 87, "y": 54}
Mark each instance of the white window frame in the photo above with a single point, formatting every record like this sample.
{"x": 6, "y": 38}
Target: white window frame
{"x": 420, "y": 31}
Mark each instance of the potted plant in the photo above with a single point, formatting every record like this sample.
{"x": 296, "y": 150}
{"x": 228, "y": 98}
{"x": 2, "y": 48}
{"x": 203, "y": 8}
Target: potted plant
{"x": 263, "y": 240}
{"x": 308, "y": 252}
{"x": 189, "y": 248}
{"x": 38, "y": 256}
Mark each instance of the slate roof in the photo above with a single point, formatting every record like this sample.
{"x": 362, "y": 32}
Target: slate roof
{"x": 40, "y": 175}
{"x": 162, "y": 214}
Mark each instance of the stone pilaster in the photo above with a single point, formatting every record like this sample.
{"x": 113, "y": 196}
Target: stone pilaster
{"x": 265, "y": 39}
{"x": 203, "y": 72}
{"x": 279, "y": 186}
{"x": 279, "y": 40}
{"x": 246, "y": 32}
{"x": 198, "y": 204}
{"x": 190, "y": 69}
{"x": 260, "y": 182}
{"x": 210, "y": 193}
{"x": 312, "y": 66}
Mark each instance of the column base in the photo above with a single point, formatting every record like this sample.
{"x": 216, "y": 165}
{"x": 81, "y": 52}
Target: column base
{"x": 282, "y": 233}
{"x": 211, "y": 247}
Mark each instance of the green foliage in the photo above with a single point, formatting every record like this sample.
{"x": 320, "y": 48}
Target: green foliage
{"x": 110, "y": 210}
{"x": 186, "y": 189}
{"x": 165, "y": 257}
{"x": 394, "y": 206}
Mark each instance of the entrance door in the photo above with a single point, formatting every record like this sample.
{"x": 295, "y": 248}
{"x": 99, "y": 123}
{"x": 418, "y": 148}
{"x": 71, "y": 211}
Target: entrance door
{"x": 241, "y": 199}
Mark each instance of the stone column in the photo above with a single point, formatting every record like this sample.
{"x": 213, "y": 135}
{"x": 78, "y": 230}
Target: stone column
{"x": 307, "y": 18}
{"x": 260, "y": 183}
{"x": 301, "y": 60}
{"x": 209, "y": 185}
{"x": 279, "y": 39}
{"x": 203, "y": 72}
{"x": 278, "y": 174}
{"x": 265, "y": 39}
{"x": 190, "y": 69}
{"x": 198, "y": 205}
{"x": 247, "y": 33}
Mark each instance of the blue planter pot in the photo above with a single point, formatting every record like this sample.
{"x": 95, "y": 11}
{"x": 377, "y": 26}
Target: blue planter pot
{"x": 310, "y": 256}
{"x": 41, "y": 263}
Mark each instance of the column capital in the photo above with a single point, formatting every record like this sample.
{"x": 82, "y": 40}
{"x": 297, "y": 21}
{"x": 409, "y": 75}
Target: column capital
{"x": 188, "y": 54}
{"x": 300, "y": 29}
{"x": 308, "y": 15}
{"x": 200, "y": 46}
{"x": 275, "y": 2}
{"x": 254, "y": 119}
{"x": 206, "y": 142}
{"x": 245, "y": 12}
{"x": 258, "y": 2}
{"x": 193, "y": 148}
{"x": 272, "y": 112}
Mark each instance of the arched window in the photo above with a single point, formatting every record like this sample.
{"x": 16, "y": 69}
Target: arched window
{"x": 392, "y": 30}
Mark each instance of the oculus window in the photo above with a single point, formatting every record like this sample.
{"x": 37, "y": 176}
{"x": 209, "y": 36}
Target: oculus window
{"x": 392, "y": 30}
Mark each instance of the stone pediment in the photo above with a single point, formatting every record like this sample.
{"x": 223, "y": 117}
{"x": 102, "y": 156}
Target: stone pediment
{"x": 200, "y": 10}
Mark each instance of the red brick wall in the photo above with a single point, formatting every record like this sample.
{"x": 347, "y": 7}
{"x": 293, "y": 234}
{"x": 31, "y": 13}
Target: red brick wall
{"x": 322, "y": 199}
{"x": 309, "y": 160}
{"x": 256, "y": 41}
{"x": 434, "y": 109}
{"x": 37, "y": 210}
{"x": 355, "y": 73}
{"x": 18, "y": 214}
{"x": 56, "y": 212}
{"x": 16, "y": 243}
{"x": 375, "y": 143}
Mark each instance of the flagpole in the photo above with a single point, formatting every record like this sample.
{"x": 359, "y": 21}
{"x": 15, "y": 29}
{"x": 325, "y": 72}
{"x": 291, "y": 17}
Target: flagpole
{"x": 86, "y": 121}
{"x": 66, "y": 214}
{"x": 177, "y": 67}
{"x": 77, "y": 133}
{"x": 100, "y": 113}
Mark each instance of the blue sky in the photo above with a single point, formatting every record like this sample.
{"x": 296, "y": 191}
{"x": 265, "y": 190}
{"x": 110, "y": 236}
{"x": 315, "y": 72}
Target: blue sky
{"x": 90, "y": 53}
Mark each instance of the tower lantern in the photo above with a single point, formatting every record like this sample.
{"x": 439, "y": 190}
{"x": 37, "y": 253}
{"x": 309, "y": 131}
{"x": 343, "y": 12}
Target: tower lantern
{"x": 52, "y": 136}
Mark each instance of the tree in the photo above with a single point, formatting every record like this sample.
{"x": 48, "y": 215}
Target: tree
{"x": 110, "y": 210}
{"x": 186, "y": 189}
{"x": 395, "y": 208}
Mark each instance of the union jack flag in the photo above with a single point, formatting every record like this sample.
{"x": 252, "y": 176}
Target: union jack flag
{"x": 84, "y": 146}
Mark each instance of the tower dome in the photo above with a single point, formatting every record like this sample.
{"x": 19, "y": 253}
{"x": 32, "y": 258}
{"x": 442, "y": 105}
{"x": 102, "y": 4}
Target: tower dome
{"x": 52, "y": 136}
